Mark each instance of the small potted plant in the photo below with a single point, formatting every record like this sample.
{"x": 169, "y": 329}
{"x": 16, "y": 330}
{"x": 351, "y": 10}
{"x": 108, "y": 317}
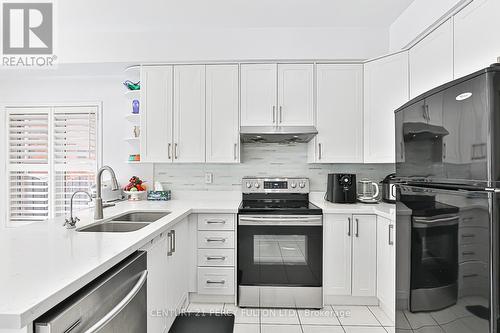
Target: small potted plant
{"x": 135, "y": 188}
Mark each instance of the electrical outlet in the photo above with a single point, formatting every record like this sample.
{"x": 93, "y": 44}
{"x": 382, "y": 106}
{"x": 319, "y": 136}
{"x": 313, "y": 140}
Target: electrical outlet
{"x": 209, "y": 178}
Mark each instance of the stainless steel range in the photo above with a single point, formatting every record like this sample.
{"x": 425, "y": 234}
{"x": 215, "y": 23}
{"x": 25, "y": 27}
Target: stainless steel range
{"x": 280, "y": 245}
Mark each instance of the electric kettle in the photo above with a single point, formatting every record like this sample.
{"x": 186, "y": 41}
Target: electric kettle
{"x": 368, "y": 191}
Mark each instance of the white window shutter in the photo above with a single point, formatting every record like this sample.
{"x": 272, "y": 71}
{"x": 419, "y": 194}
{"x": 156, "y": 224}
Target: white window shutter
{"x": 52, "y": 154}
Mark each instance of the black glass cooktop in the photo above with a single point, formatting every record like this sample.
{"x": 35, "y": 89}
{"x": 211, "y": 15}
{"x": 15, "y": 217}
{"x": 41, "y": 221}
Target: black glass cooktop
{"x": 277, "y": 206}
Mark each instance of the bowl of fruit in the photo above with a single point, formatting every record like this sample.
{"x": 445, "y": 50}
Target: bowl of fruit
{"x": 135, "y": 190}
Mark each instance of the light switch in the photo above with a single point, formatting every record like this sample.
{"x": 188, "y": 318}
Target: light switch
{"x": 209, "y": 178}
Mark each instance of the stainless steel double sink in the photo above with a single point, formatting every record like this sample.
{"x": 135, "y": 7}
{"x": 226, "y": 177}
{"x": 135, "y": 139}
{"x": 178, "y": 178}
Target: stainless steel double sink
{"x": 126, "y": 222}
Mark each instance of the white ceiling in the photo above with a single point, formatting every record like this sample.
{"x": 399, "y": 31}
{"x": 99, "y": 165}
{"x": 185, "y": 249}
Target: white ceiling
{"x": 140, "y": 15}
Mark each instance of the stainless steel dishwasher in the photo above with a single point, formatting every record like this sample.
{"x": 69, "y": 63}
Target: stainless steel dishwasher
{"x": 114, "y": 302}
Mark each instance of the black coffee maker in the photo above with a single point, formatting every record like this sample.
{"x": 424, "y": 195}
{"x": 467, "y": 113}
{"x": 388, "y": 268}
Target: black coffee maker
{"x": 341, "y": 188}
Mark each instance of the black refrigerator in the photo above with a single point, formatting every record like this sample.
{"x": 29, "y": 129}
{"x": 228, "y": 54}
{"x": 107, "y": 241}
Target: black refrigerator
{"x": 447, "y": 209}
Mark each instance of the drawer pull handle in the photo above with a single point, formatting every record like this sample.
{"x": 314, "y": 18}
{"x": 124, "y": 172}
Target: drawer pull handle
{"x": 221, "y": 258}
{"x": 222, "y": 240}
{"x": 216, "y": 282}
{"x": 470, "y": 275}
{"x": 216, "y": 221}
{"x": 468, "y": 235}
{"x": 468, "y": 253}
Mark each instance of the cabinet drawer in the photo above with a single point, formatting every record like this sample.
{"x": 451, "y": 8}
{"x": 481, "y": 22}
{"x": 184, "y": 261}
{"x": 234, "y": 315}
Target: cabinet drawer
{"x": 216, "y": 257}
{"x": 215, "y": 239}
{"x": 473, "y": 279}
{"x": 215, "y": 222}
{"x": 474, "y": 218}
{"x": 216, "y": 281}
{"x": 473, "y": 235}
{"x": 473, "y": 252}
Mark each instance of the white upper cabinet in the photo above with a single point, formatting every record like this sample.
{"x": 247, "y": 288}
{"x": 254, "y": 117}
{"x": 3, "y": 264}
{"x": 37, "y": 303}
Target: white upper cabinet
{"x": 258, "y": 94}
{"x": 156, "y": 113}
{"x": 339, "y": 114}
{"x": 476, "y": 42}
{"x": 431, "y": 60}
{"x": 189, "y": 114}
{"x": 295, "y": 95}
{"x": 385, "y": 90}
{"x": 222, "y": 126}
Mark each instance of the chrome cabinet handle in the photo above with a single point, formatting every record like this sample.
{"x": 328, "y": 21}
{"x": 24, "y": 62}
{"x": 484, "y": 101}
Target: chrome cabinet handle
{"x": 401, "y": 145}
{"x": 221, "y": 258}
{"x": 391, "y": 227}
{"x": 274, "y": 114}
{"x": 216, "y": 221}
{"x": 235, "y": 151}
{"x": 320, "y": 151}
{"x": 357, "y": 228}
{"x": 169, "y": 244}
{"x": 468, "y": 253}
{"x": 281, "y": 114}
{"x": 349, "y": 226}
{"x": 468, "y": 236}
{"x": 216, "y": 282}
{"x": 174, "y": 241}
{"x": 175, "y": 151}
{"x": 169, "y": 151}
{"x": 120, "y": 306}
{"x": 222, "y": 240}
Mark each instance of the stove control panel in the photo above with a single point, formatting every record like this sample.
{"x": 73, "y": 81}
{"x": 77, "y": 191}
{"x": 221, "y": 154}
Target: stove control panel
{"x": 275, "y": 185}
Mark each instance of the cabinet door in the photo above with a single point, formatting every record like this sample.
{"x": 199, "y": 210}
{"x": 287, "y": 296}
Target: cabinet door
{"x": 337, "y": 232}
{"x": 189, "y": 114}
{"x": 475, "y": 47}
{"x": 156, "y": 113}
{"x": 222, "y": 142}
{"x": 339, "y": 100}
{"x": 386, "y": 262}
{"x": 177, "y": 270}
{"x": 364, "y": 255}
{"x": 156, "y": 285}
{"x": 386, "y": 89}
{"x": 295, "y": 94}
{"x": 431, "y": 60}
{"x": 258, "y": 94}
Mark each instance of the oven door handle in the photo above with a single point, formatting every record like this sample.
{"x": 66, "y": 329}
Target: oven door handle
{"x": 419, "y": 222}
{"x": 281, "y": 221}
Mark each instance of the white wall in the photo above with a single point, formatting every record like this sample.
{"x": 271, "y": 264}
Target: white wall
{"x": 419, "y": 16}
{"x": 185, "y": 44}
{"x": 105, "y": 89}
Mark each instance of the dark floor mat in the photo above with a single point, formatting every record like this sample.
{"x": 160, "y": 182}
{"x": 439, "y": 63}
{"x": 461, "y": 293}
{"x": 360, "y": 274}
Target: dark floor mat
{"x": 203, "y": 323}
{"x": 479, "y": 311}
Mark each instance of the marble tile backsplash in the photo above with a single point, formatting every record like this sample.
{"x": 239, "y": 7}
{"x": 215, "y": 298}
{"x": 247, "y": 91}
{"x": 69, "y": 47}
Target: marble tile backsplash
{"x": 288, "y": 160}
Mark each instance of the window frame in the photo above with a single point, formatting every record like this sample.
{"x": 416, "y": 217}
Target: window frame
{"x": 4, "y": 149}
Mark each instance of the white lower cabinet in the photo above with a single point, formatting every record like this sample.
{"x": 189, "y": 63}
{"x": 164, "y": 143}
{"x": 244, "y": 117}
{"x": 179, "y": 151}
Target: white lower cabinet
{"x": 386, "y": 266}
{"x": 350, "y": 255}
{"x": 156, "y": 285}
{"x": 167, "y": 284}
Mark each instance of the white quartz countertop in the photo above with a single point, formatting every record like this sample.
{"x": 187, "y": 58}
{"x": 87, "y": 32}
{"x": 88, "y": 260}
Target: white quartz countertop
{"x": 383, "y": 209}
{"x": 44, "y": 263}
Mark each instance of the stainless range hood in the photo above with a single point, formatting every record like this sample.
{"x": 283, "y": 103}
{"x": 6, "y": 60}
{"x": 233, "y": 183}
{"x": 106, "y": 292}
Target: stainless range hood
{"x": 282, "y": 134}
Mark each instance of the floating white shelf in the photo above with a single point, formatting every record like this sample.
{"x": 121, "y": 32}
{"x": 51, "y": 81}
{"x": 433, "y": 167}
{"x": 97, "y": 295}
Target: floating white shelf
{"x": 133, "y": 117}
{"x": 133, "y": 94}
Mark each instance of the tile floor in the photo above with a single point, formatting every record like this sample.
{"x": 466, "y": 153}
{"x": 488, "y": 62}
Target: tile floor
{"x": 336, "y": 319}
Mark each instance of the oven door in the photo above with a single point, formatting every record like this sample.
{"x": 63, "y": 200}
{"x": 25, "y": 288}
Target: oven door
{"x": 276, "y": 253}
